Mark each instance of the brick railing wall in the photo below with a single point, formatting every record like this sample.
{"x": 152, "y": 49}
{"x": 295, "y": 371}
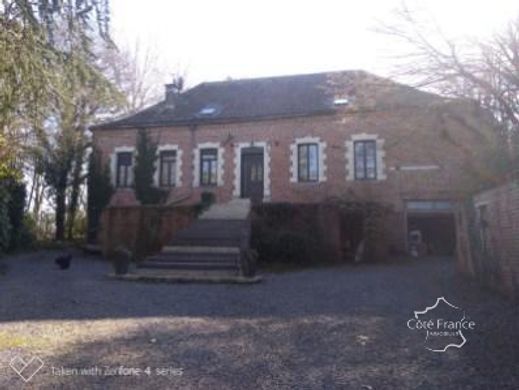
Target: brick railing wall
{"x": 144, "y": 230}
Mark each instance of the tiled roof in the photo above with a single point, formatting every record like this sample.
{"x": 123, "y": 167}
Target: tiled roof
{"x": 275, "y": 97}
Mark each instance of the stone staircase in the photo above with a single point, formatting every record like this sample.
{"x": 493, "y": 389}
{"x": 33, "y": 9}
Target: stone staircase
{"x": 213, "y": 245}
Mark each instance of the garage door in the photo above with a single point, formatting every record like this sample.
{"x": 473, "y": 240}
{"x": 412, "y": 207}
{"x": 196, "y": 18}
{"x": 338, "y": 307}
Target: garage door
{"x": 434, "y": 219}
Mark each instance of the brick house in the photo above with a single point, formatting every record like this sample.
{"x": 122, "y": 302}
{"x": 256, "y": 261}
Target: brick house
{"x": 306, "y": 139}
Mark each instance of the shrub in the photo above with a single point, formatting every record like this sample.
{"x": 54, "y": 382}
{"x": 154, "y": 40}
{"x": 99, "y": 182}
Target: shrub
{"x": 12, "y": 204}
{"x": 5, "y": 223}
{"x": 144, "y": 170}
{"x": 16, "y": 208}
{"x": 28, "y": 232}
{"x": 284, "y": 233}
{"x": 100, "y": 191}
{"x": 207, "y": 198}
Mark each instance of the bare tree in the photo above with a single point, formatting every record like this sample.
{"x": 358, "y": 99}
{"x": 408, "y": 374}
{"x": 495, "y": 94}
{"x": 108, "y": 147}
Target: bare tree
{"x": 485, "y": 71}
{"x": 137, "y": 73}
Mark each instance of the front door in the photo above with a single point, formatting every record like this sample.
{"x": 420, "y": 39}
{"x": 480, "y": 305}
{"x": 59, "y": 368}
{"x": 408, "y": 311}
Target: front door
{"x": 252, "y": 174}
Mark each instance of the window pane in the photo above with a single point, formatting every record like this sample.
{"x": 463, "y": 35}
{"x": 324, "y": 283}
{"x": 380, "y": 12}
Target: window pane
{"x": 212, "y": 180}
{"x": 163, "y": 175}
{"x": 371, "y": 173}
{"x": 124, "y": 163}
{"x": 308, "y": 165}
{"x": 124, "y": 158}
{"x": 168, "y": 163}
{"x": 359, "y": 149}
{"x": 371, "y": 162}
{"x": 365, "y": 159}
{"x": 359, "y": 161}
{"x": 303, "y": 163}
{"x": 120, "y": 176}
{"x": 169, "y": 155}
{"x": 313, "y": 163}
{"x": 259, "y": 172}
{"x": 172, "y": 174}
{"x": 209, "y": 167}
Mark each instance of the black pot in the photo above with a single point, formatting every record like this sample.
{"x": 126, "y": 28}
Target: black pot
{"x": 121, "y": 267}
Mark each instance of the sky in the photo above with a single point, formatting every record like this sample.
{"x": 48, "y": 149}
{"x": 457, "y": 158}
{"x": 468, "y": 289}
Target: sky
{"x": 216, "y": 39}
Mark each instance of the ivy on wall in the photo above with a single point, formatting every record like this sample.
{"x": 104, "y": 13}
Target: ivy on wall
{"x": 144, "y": 170}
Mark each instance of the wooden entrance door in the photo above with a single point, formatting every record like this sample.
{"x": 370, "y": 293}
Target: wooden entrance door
{"x": 252, "y": 174}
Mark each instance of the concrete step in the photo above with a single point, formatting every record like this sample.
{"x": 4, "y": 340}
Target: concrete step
{"x": 219, "y": 233}
{"x": 198, "y": 258}
{"x": 206, "y": 250}
{"x": 205, "y": 241}
{"x": 211, "y": 243}
{"x": 179, "y": 276}
{"x": 198, "y": 266}
{"x": 236, "y": 209}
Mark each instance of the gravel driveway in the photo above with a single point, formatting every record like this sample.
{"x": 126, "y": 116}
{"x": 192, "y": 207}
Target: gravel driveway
{"x": 330, "y": 328}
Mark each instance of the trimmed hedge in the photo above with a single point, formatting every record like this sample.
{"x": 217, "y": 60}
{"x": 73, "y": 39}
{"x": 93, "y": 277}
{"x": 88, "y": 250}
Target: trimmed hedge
{"x": 287, "y": 233}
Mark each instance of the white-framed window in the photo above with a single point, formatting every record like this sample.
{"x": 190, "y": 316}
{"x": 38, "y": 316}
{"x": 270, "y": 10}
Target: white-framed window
{"x": 308, "y": 160}
{"x": 123, "y": 178}
{"x": 208, "y": 164}
{"x": 365, "y": 158}
{"x": 168, "y": 168}
{"x": 209, "y": 167}
{"x": 121, "y": 166}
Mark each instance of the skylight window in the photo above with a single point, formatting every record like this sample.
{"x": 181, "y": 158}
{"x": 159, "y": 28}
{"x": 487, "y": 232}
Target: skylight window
{"x": 208, "y": 110}
{"x": 341, "y": 101}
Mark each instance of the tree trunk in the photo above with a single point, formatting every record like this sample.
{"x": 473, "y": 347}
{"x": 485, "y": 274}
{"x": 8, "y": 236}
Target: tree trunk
{"x": 74, "y": 195}
{"x": 61, "y": 196}
{"x": 38, "y": 199}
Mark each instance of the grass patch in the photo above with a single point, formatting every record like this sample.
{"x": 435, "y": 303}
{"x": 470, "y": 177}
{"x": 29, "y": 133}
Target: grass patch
{"x": 10, "y": 341}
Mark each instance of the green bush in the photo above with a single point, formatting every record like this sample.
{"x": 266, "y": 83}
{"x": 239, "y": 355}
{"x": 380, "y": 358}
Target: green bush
{"x": 27, "y": 237}
{"x": 100, "y": 191}
{"x": 5, "y": 223}
{"x": 14, "y": 234}
{"x": 16, "y": 214}
{"x": 287, "y": 234}
{"x": 144, "y": 170}
{"x": 206, "y": 200}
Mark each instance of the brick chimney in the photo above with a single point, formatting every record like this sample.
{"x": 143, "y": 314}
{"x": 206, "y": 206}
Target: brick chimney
{"x": 174, "y": 89}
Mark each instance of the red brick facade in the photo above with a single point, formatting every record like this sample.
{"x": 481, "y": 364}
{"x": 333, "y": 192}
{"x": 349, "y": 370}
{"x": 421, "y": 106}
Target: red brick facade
{"x": 489, "y": 238}
{"x": 426, "y": 154}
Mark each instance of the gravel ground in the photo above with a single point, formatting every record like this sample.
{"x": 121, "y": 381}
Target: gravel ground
{"x": 329, "y": 328}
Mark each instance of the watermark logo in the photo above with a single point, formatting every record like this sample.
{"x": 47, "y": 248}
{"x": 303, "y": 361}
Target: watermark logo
{"x": 444, "y": 324}
{"x": 26, "y": 369}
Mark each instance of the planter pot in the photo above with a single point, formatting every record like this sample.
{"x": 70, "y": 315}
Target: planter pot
{"x": 121, "y": 258}
{"x": 121, "y": 268}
